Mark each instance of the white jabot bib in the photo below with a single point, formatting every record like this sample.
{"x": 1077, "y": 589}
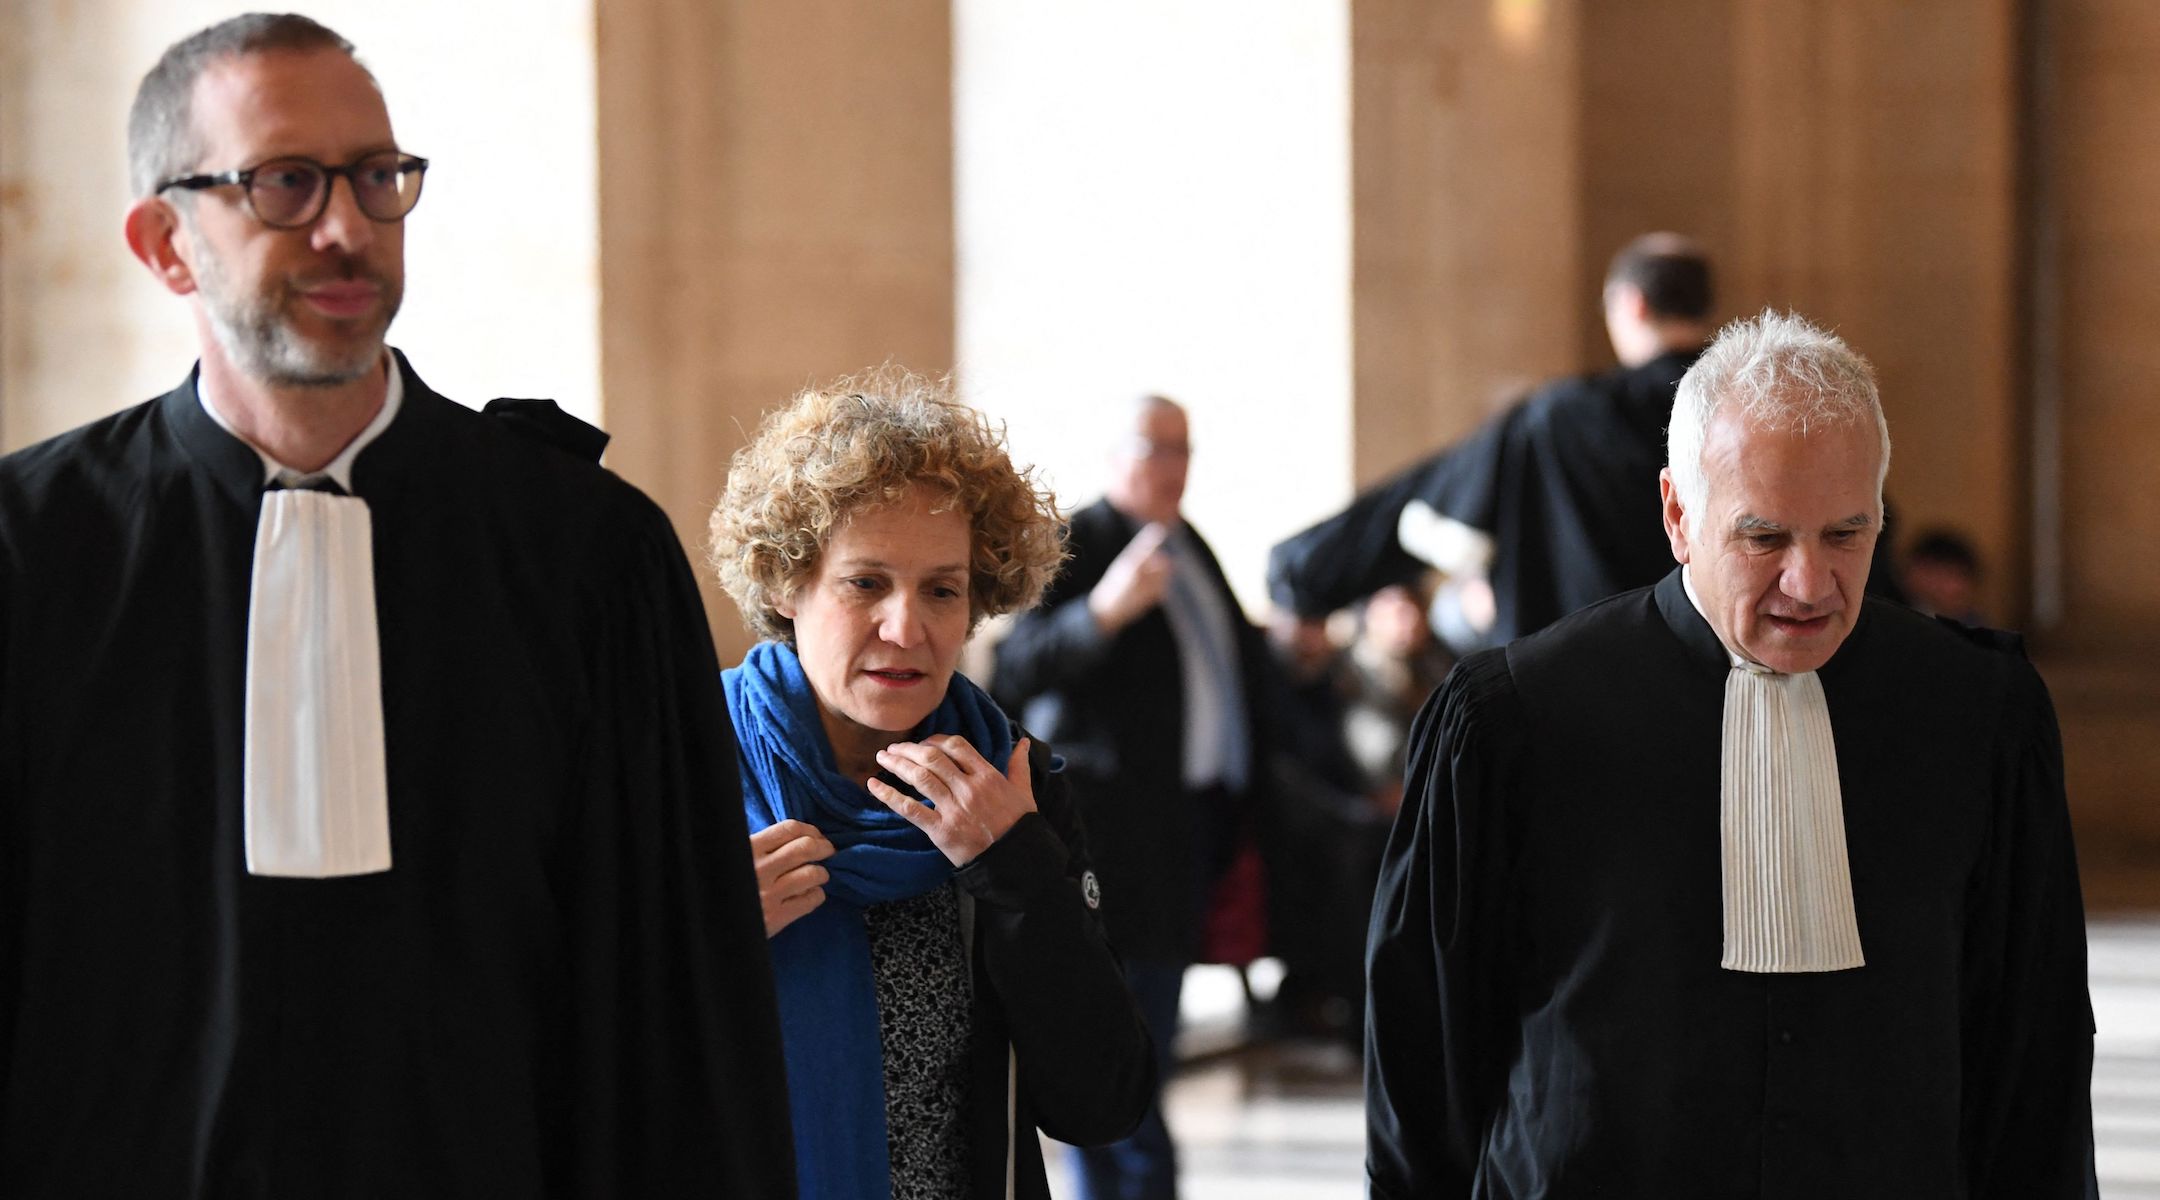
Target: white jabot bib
{"x": 1781, "y": 824}
{"x": 315, "y": 795}
{"x": 1788, "y": 891}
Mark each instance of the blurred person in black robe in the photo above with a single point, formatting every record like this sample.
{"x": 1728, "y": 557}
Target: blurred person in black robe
{"x": 1547, "y": 507}
{"x": 1740, "y": 885}
{"x": 372, "y": 825}
{"x": 1550, "y": 502}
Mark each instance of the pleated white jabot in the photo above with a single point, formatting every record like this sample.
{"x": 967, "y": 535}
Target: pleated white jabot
{"x": 1781, "y": 821}
{"x": 1788, "y": 890}
{"x": 315, "y": 794}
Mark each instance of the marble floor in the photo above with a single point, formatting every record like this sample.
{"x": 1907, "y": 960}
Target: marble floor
{"x": 1282, "y": 1121}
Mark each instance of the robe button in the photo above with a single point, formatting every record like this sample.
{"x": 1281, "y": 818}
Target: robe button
{"x": 1784, "y": 1037}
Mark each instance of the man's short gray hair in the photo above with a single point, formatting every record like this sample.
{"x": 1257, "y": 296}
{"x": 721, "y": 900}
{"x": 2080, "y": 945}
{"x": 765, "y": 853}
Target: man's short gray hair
{"x": 162, "y": 142}
{"x": 1782, "y": 373}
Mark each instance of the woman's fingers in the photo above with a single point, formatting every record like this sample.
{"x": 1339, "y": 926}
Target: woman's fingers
{"x": 790, "y": 883}
{"x": 928, "y": 769}
{"x": 920, "y": 815}
{"x": 958, "y": 752}
{"x": 778, "y": 834}
{"x": 794, "y": 883}
{"x": 782, "y": 911}
{"x": 945, "y": 758}
{"x": 790, "y": 853}
{"x": 800, "y": 904}
{"x": 957, "y": 835}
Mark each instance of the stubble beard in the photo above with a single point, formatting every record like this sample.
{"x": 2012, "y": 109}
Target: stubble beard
{"x": 259, "y": 338}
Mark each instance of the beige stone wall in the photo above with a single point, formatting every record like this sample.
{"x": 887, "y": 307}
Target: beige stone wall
{"x": 775, "y": 207}
{"x": 2096, "y": 378}
{"x": 82, "y": 331}
{"x": 2101, "y": 122}
{"x": 1467, "y": 186}
{"x": 1659, "y": 140}
{"x": 502, "y": 285}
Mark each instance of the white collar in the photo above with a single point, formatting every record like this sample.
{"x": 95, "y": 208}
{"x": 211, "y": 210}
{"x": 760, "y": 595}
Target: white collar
{"x": 339, "y": 468}
{"x": 1787, "y": 884}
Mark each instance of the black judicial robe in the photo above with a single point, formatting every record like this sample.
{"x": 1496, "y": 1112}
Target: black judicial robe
{"x": 1547, "y": 1017}
{"x": 561, "y": 986}
{"x": 1566, "y": 483}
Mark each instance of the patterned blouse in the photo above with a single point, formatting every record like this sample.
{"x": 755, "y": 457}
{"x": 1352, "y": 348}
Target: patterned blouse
{"x": 924, "y": 997}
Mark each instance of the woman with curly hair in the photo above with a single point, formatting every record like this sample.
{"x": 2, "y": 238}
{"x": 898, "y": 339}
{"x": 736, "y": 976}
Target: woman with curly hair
{"x": 944, "y": 985}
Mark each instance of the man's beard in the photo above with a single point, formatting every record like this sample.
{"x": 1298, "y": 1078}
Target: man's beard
{"x": 260, "y": 339}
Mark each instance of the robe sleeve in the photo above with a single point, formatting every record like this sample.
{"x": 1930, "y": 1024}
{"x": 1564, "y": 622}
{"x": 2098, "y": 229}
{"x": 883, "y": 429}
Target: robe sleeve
{"x": 2028, "y": 1042}
{"x": 1438, "y": 1034}
{"x": 1356, "y": 552}
{"x": 675, "y": 1040}
{"x": 1084, "y": 1060}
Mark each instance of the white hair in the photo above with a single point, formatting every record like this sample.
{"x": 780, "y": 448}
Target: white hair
{"x": 1784, "y": 374}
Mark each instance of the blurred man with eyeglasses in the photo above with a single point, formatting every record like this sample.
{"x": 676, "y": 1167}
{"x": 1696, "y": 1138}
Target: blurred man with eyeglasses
{"x": 365, "y": 817}
{"x": 1142, "y": 662}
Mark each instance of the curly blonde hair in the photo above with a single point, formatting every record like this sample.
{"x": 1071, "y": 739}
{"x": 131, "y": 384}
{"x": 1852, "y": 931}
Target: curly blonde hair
{"x": 861, "y": 443}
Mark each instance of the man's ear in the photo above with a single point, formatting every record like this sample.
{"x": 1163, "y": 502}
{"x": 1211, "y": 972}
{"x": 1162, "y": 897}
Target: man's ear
{"x": 1675, "y": 515}
{"x": 155, "y": 236}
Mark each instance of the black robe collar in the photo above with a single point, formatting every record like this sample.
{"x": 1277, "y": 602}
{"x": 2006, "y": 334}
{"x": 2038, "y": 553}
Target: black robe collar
{"x": 1672, "y": 362}
{"x": 235, "y": 466}
{"x": 1702, "y": 644}
{"x": 1696, "y": 637}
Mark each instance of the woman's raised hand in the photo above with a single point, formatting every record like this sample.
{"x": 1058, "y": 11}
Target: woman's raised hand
{"x": 975, "y": 804}
{"x": 789, "y": 881}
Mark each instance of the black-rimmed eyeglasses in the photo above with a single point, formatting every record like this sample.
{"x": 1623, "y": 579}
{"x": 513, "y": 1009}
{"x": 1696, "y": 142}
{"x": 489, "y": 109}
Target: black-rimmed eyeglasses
{"x": 287, "y": 193}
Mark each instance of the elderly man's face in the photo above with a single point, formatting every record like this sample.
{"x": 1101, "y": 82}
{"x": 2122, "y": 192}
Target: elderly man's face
{"x": 1779, "y": 556}
{"x": 293, "y": 307}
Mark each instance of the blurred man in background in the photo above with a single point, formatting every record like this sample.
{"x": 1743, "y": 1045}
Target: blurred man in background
{"x": 1141, "y": 668}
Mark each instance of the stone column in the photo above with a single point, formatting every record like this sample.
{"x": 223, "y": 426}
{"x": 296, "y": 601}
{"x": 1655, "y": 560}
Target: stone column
{"x": 775, "y": 208}
{"x": 1467, "y": 190}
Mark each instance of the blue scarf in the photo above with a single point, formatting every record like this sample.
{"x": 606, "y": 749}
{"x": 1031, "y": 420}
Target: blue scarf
{"x": 821, "y": 963}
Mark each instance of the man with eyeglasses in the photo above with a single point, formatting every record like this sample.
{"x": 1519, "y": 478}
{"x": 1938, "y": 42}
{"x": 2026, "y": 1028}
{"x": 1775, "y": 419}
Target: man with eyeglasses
{"x": 1142, "y": 668}
{"x": 367, "y": 808}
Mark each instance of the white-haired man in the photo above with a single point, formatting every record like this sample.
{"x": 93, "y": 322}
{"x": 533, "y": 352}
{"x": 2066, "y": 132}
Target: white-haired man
{"x": 369, "y": 805}
{"x": 1739, "y": 885}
